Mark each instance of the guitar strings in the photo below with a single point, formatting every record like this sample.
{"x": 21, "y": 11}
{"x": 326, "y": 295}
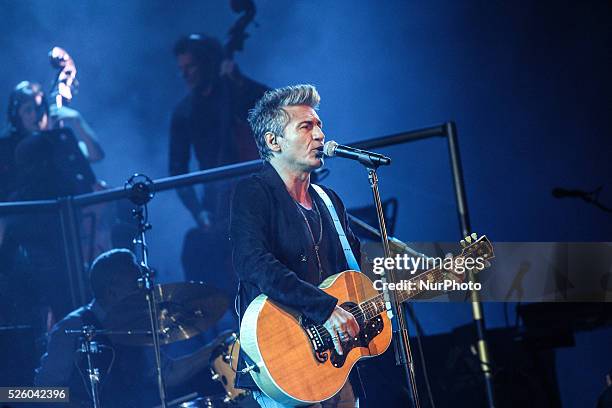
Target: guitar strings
{"x": 362, "y": 311}
{"x": 368, "y": 303}
{"x": 370, "y": 306}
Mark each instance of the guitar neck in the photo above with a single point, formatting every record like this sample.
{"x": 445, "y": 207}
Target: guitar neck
{"x": 376, "y": 305}
{"x": 478, "y": 248}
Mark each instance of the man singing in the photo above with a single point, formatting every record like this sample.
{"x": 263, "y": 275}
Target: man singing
{"x": 284, "y": 240}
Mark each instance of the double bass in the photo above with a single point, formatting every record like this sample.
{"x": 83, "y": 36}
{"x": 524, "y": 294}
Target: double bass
{"x": 96, "y": 220}
{"x": 237, "y": 33}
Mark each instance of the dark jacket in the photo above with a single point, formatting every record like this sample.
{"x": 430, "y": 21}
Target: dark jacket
{"x": 8, "y": 168}
{"x": 273, "y": 252}
{"x": 215, "y": 127}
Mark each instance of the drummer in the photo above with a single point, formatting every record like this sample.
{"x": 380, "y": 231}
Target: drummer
{"x": 127, "y": 372}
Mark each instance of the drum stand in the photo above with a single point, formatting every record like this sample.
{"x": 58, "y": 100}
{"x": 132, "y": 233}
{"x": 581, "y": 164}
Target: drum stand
{"x": 141, "y": 193}
{"x": 89, "y": 348}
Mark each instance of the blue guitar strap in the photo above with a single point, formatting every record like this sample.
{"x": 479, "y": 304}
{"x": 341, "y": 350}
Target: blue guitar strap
{"x": 348, "y": 252}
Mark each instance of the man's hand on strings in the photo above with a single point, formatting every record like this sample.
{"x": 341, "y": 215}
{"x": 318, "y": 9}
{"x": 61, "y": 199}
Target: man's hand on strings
{"x": 342, "y": 326}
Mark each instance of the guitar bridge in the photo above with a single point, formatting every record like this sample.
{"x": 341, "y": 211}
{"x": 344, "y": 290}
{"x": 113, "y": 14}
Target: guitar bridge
{"x": 322, "y": 345}
{"x": 318, "y": 344}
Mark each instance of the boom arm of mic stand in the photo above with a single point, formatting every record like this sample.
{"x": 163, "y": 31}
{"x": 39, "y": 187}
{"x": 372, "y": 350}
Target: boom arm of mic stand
{"x": 393, "y": 242}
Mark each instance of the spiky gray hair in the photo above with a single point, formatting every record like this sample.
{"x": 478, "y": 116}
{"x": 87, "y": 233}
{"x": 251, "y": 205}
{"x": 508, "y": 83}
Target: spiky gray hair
{"x": 268, "y": 114}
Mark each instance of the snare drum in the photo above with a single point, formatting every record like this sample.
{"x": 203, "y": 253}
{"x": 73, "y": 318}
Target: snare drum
{"x": 223, "y": 363}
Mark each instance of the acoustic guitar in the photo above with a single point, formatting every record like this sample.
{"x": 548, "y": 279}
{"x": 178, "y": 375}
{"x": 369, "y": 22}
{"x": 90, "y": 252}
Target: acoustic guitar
{"x": 294, "y": 360}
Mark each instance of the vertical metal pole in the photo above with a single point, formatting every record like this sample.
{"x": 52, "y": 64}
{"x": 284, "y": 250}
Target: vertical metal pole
{"x": 73, "y": 255}
{"x": 464, "y": 224}
{"x": 90, "y": 347}
{"x": 453, "y": 147}
{"x": 142, "y": 255}
{"x": 401, "y": 339}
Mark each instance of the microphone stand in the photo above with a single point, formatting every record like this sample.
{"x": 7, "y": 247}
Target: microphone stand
{"x": 591, "y": 197}
{"x": 401, "y": 340}
{"x": 89, "y": 348}
{"x": 140, "y": 194}
{"x": 394, "y": 243}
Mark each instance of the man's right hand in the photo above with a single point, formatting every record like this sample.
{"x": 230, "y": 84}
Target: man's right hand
{"x": 342, "y": 326}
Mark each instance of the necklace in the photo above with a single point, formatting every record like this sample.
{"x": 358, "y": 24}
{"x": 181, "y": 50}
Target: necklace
{"x": 316, "y": 243}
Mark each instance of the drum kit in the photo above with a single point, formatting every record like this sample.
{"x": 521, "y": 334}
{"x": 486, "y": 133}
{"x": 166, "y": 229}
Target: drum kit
{"x": 161, "y": 314}
{"x": 185, "y": 310}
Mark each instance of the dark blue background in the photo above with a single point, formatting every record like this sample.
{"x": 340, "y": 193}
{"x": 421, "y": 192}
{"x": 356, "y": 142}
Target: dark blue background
{"x": 526, "y": 82}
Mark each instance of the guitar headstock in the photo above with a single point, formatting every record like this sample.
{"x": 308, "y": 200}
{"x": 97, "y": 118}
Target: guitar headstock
{"x": 477, "y": 247}
{"x": 475, "y": 255}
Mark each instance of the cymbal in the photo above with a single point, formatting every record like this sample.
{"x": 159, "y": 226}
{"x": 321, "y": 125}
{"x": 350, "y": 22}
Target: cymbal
{"x": 184, "y": 310}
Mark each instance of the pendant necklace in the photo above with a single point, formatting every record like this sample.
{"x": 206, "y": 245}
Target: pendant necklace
{"x": 316, "y": 243}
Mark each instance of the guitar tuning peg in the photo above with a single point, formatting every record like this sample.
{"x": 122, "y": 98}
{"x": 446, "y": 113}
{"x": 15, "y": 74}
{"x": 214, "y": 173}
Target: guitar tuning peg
{"x": 474, "y": 236}
{"x": 468, "y": 239}
{"x": 463, "y": 243}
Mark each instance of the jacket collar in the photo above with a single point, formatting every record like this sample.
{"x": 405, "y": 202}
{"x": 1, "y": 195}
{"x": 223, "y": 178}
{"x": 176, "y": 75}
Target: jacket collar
{"x": 269, "y": 175}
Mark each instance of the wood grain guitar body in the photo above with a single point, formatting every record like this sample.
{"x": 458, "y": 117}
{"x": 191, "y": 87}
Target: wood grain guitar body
{"x": 297, "y": 363}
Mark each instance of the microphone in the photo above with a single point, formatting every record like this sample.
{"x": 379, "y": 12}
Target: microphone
{"x": 365, "y": 157}
{"x": 562, "y": 193}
